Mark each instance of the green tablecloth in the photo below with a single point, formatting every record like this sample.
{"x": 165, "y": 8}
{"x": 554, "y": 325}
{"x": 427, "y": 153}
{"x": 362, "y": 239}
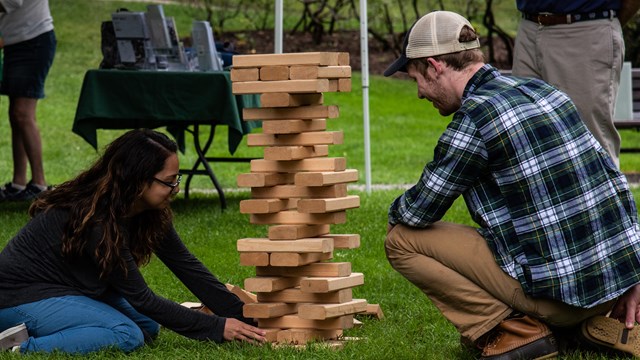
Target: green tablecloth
{"x": 121, "y": 99}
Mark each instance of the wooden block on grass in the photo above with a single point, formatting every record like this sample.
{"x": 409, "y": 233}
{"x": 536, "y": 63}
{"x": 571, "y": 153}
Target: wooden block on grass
{"x": 320, "y": 245}
{"x": 292, "y": 191}
{"x": 305, "y": 139}
{"x": 293, "y": 232}
{"x": 297, "y": 296}
{"x": 293, "y": 126}
{"x": 325, "y": 177}
{"x": 268, "y": 310}
{"x": 248, "y": 74}
{"x": 303, "y": 58}
{"x": 327, "y": 311}
{"x": 322, "y": 285}
{"x": 264, "y": 179}
{"x": 318, "y": 164}
{"x": 297, "y": 259}
{"x": 300, "y": 112}
{"x": 270, "y": 283}
{"x": 320, "y": 269}
{"x": 373, "y": 310}
{"x": 295, "y": 322}
{"x": 344, "y": 241}
{"x": 292, "y": 217}
{"x": 254, "y": 259}
{"x": 287, "y": 86}
{"x": 244, "y": 295}
{"x": 277, "y": 72}
{"x": 328, "y": 205}
{"x": 268, "y": 100}
{"x": 303, "y": 336}
{"x": 285, "y": 153}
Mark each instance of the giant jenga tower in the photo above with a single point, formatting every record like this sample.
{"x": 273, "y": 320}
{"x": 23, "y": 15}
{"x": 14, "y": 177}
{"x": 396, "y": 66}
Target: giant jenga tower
{"x": 299, "y": 191}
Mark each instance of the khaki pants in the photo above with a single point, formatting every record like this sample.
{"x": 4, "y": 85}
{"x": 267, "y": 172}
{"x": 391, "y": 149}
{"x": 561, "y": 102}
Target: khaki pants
{"x": 454, "y": 267}
{"x": 583, "y": 59}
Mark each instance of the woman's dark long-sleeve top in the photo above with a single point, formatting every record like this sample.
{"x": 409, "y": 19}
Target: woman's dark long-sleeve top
{"x": 32, "y": 268}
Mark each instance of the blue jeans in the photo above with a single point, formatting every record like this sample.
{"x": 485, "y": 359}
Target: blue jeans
{"x": 80, "y": 325}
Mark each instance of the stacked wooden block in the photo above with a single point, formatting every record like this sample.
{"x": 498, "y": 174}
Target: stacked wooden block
{"x": 300, "y": 192}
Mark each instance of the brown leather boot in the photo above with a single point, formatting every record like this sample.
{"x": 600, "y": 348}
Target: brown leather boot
{"x": 520, "y": 337}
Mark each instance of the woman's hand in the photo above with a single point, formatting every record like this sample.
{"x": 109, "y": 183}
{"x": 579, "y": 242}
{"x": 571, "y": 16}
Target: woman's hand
{"x": 626, "y": 309}
{"x": 235, "y": 329}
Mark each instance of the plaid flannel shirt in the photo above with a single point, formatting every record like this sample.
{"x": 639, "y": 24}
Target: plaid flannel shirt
{"x": 555, "y": 211}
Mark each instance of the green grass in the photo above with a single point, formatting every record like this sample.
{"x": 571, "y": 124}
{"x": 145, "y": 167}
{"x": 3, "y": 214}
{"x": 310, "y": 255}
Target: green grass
{"x": 403, "y": 134}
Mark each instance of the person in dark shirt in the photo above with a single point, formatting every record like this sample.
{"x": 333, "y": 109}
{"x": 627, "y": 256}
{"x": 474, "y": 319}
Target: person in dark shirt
{"x": 70, "y": 279}
{"x": 557, "y": 246}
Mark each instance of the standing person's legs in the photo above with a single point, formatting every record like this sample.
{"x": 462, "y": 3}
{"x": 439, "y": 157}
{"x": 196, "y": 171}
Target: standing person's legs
{"x": 454, "y": 267}
{"x": 26, "y": 143}
{"x": 584, "y": 60}
{"x": 73, "y": 324}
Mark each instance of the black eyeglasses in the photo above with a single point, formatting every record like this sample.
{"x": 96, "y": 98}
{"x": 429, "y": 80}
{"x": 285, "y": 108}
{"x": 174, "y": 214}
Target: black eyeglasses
{"x": 171, "y": 185}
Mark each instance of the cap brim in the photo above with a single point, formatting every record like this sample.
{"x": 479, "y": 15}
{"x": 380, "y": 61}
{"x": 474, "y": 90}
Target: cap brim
{"x": 399, "y": 65}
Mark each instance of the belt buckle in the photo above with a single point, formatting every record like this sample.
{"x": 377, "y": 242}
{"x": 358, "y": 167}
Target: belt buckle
{"x": 540, "y": 17}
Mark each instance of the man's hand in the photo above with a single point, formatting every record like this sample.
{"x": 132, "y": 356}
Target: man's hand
{"x": 627, "y": 308}
{"x": 235, "y": 329}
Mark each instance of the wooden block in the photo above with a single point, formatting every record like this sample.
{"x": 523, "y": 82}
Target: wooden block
{"x": 295, "y": 322}
{"x": 326, "y": 178}
{"x": 197, "y": 307}
{"x": 297, "y": 296}
{"x": 344, "y": 241}
{"x": 293, "y": 126}
{"x": 309, "y": 138}
{"x": 254, "y": 259}
{"x": 265, "y": 206}
{"x": 321, "y": 245}
{"x": 321, "y": 269}
{"x": 293, "y": 217}
{"x": 373, "y": 310}
{"x": 270, "y": 283}
{"x": 272, "y": 334}
{"x": 333, "y": 85}
{"x": 326, "y": 311}
{"x": 319, "y": 72}
{"x": 319, "y": 164}
{"x": 322, "y": 285}
{"x": 292, "y": 232}
{"x": 284, "y": 153}
{"x": 248, "y": 74}
{"x": 264, "y": 179}
{"x": 289, "y": 113}
{"x": 296, "y": 259}
{"x": 328, "y": 205}
{"x": 289, "y": 100}
{"x": 304, "y": 58}
{"x": 268, "y": 310}
{"x": 303, "y": 336}
{"x": 292, "y": 191}
{"x": 343, "y": 58}
{"x": 244, "y": 295}
{"x": 344, "y": 85}
{"x": 270, "y": 73}
{"x": 287, "y": 86}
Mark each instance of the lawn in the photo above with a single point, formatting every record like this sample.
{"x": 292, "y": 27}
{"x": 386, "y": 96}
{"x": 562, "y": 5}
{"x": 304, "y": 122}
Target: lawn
{"x": 404, "y": 131}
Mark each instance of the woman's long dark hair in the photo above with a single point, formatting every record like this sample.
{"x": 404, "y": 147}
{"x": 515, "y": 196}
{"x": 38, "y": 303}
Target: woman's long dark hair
{"x": 103, "y": 196}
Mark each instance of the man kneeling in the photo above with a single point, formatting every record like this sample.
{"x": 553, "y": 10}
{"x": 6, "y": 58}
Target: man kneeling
{"x": 558, "y": 247}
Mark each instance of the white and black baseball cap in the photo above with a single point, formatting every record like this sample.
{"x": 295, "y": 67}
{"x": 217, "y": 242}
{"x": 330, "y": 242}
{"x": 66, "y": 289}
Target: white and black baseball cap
{"x": 436, "y": 33}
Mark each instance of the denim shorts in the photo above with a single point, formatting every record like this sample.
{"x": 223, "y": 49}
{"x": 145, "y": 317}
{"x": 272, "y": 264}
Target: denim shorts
{"x": 26, "y": 65}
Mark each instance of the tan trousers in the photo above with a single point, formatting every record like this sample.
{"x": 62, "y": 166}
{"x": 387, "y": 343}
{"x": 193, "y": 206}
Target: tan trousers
{"x": 454, "y": 267}
{"x": 583, "y": 59}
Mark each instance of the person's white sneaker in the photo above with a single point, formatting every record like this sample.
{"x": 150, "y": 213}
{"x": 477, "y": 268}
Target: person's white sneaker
{"x": 13, "y": 337}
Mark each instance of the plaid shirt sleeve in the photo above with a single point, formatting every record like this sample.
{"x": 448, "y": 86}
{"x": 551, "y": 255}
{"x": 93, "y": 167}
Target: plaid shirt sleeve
{"x": 459, "y": 158}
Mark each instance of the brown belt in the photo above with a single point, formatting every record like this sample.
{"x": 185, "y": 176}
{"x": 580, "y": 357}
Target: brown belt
{"x": 548, "y": 19}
